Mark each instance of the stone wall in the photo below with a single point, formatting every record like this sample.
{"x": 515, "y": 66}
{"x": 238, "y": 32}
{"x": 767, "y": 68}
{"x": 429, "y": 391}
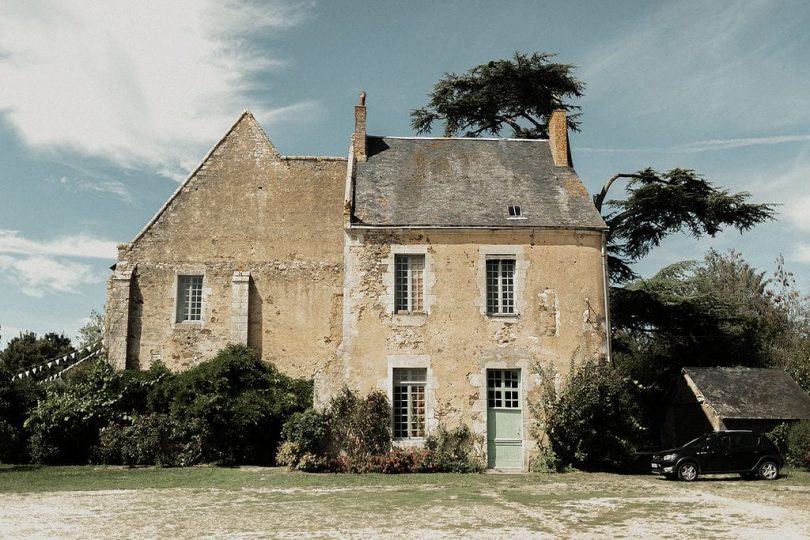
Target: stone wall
{"x": 560, "y": 304}
{"x": 265, "y": 231}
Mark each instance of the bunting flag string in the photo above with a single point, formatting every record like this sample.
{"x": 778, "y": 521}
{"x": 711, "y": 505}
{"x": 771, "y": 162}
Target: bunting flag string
{"x": 72, "y": 358}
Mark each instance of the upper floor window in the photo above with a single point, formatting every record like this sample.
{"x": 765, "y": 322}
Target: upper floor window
{"x": 409, "y": 283}
{"x": 500, "y": 286}
{"x": 189, "y": 298}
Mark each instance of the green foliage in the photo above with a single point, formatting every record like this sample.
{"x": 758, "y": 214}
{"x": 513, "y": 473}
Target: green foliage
{"x": 716, "y": 312}
{"x": 546, "y": 461}
{"x": 27, "y": 350}
{"x": 793, "y": 439}
{"x": 595, "y": 423}
{"x": 308, "y": 430}
{"x": 242, "y": 400}
{"x": 359, "y": 427}
{"x": 154, "y": 439}
{"x": 92, "y": 331}
{"x": 660, "y": 204}
{"x": 64, "y": 426}
{"x": 520, "y": 92}
{"x": 17, "y": 399}
{"x": 458, "y": 450}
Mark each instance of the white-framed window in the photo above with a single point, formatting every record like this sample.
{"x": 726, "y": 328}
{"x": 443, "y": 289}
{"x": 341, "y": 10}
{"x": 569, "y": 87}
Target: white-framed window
{"x": 409, "y": 402}
{"x": 500, "y": 286}
{"x": 409, "y": 283}
{"x": 189, "y": 298}
{"x": 503, "y": 389}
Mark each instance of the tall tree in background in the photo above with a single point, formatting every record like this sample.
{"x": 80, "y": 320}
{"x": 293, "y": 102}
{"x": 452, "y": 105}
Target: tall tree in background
{"x": 521, "y": 92}
{"x": 27, "y": 350}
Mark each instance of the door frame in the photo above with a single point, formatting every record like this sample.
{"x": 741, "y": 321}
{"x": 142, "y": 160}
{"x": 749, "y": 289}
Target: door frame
{"x": 522, "y": 401}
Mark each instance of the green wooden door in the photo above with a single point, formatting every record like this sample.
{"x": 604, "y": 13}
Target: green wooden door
{"x": 504, "y": 420}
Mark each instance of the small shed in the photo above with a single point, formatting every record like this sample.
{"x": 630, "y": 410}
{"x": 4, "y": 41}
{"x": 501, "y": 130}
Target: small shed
{"x": 718, "y": 398}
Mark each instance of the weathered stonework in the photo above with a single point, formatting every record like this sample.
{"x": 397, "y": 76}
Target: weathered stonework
{"x": 556, "y": 276}
{"x": 265, "y": 231}
{"x": 283, "y": 263}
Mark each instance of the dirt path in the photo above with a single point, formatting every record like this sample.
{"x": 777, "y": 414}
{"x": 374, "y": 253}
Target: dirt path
{"x": 582, "y": 505}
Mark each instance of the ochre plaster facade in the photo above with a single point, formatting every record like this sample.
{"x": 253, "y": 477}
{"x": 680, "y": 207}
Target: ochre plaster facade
{"x": 287, "y": 272}
{"x": 265, "y": 231}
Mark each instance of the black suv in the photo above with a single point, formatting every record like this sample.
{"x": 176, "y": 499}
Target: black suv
{"x": 748, "y": 453}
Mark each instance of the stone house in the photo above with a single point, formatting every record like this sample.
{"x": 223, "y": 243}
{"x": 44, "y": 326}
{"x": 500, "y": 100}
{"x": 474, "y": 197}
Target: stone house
{"x": 438, "y": 270}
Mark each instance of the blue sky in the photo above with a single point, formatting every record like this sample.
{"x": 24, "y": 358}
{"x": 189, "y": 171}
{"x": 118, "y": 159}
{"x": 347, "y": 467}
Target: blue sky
{"x": 104, "y": 108}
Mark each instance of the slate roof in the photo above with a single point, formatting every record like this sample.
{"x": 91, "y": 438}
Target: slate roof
{"x": 458, "y": 182}
{"x": 748, "y": 393}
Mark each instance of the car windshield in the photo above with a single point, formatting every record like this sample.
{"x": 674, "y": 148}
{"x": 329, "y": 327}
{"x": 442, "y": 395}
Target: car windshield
{"x": 700, "y": 439}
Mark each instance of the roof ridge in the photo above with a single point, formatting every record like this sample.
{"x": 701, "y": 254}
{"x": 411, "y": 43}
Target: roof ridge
{"x": 510, "y": 139}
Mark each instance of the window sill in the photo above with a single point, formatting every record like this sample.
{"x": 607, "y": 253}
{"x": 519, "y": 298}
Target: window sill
{"x": 504, "y": 316}
{"x": 408, "y": 443}
{"x": 409, "y": 319}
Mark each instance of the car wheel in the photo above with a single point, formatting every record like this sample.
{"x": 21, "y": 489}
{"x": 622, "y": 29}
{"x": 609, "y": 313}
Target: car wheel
{"x": 768, "y": 470}
{"x": 687, "y": 471}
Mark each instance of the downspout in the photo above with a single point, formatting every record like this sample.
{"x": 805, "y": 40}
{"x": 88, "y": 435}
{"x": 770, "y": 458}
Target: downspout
{"x": 605, "y": 284}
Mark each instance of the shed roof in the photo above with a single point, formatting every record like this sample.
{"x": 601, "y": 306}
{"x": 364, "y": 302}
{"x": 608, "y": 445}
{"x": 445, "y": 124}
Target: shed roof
{"x": 467, "y": 182}
{"x": 751, "y": 393}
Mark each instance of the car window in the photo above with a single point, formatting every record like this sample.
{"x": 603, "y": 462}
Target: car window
{"x": 742, "y": 440}
{"x": 719, "y": 440}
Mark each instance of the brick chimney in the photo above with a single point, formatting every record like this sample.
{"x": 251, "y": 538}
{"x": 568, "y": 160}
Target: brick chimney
{"x": 558, "y": 138}
{"x": 359, "y": 137}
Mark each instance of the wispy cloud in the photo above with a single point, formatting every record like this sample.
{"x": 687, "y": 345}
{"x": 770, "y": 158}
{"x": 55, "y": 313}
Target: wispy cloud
{"x": 80, "y": 245}
{"x": 37, "y": 276}
{"x": 705, "y": 146}
{"x": 138, "y": 83}
{"x": 802, "y": 253}
{"x": 80, "y": 185}
{"x": 706, "y": 64}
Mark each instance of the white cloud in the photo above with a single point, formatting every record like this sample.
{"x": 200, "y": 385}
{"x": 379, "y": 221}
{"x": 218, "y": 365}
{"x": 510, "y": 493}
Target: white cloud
{"x": 37, "y": 276}
{"x": 797, "y": 210}
{"x": 802, "y": 253}
{"x": 80, "y": 185}
{"x": 80, "y": 245}
{"x": 134, "y": 82}
{"x": 705, "y": 146}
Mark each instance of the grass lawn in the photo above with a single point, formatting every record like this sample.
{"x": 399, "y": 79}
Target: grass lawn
{"x": 253, "y": 501}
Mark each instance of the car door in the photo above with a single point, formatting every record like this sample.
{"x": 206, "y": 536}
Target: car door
{"x": 743, "y": 451}
{"x": 715, "y": 455}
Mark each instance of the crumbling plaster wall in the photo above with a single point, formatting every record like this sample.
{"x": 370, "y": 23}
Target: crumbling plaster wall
{"x": 560, "y": 301}
{"x": 246, "y": 209}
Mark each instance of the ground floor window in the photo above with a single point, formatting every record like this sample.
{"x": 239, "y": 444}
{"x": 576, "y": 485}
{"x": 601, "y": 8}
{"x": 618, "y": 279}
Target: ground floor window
{"x": 409, "y": 402}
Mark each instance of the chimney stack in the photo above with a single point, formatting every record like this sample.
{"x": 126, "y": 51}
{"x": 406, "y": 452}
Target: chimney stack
{"x": 359, "y": 137}
{"x": 558, "y": 138}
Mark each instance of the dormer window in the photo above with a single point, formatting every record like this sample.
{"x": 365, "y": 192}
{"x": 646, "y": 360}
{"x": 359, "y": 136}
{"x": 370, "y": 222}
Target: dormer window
{"x": 514, "y": 211}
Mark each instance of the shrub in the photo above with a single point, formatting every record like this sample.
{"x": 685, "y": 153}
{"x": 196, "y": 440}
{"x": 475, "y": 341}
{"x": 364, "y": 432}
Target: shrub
{"x": 64, "y": 426}
{"x": 242, "y": 400}
{"x": 546, "y": 461}
{"x": 595, "y": 423}
{"x": 17, "y": 399}
{"x": 458, "y": 450}
{"x": 799, "y": 444}
{"x": 359, "y": 427}
{"x": 154, "y": 439}
{"x": 403, "y": 460}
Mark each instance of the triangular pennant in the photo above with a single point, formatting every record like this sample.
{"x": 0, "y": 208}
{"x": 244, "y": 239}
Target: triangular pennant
{"x": 27, "y": 372}
{"x": 50, "y": 364}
